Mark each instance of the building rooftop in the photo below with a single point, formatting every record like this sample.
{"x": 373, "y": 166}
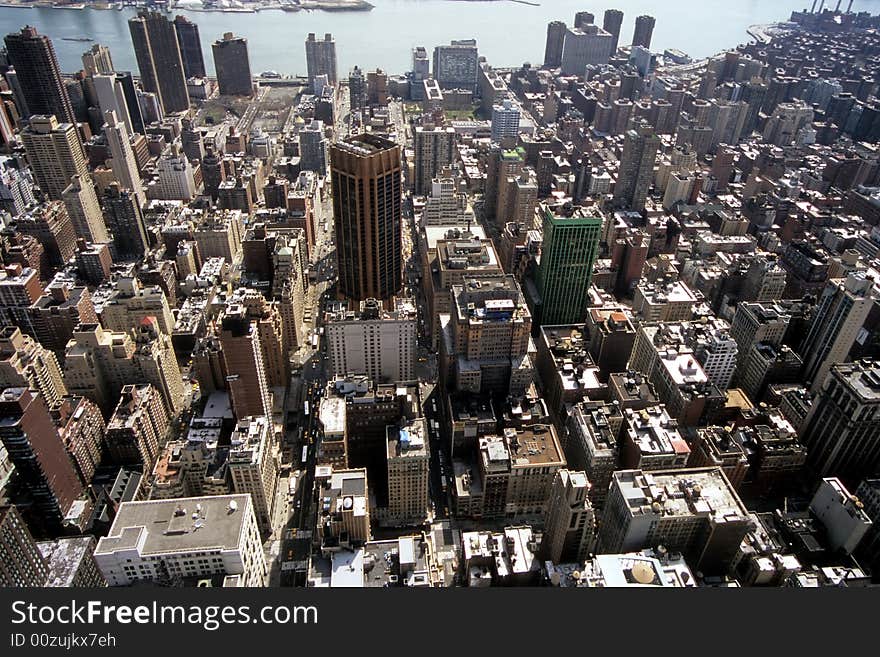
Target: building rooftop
{"x": 64, "y": 557}
{"x": 178, "y": 525}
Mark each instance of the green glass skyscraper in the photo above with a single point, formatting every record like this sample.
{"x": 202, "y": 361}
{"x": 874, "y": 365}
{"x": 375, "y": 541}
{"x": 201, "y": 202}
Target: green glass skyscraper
{"x": 571, "y": 243}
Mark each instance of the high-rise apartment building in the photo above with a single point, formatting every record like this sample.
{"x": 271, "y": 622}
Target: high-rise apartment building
{"x": 38, "y": 74}
{"x": 84, "y": 210}
{"x": 97, "y": 60}
{"x": 246, "y": 378}
{"x": 643, "y": 32}
{"x": 111, "y": 98}
{"x": 21, "y": 563}
{"x": 553, "y": 48}
{"x": 125, "y": 219}
{"x": 25, "y": 363}
{"x": 636, "y": 171}
{"x": 99, "y": 363}
{"x": 842, "y": 429}
{"x": 372, "y": 341}
{"x": 571, "y": 244}
{"x": 123, "y": 162}
{"x": 456, "y": 66}
{"x": 584, "y": 46}
{"x": 695, "y": 512}
{"x": 233, "y": 66}
{"x": 570, "y": 523}
{"x": 321, "y": 58}
{"x": 505, "y": 120}
{"x": 190, "y": 47}
{"x": 137, "y": 427}
{"x": 253, "y": 464}
{"x": 54, "y": 152}
{"x": 159, "y": 60}
{"x": 41, "y": 462}
{"x": 840, "y": 313}
{"x": 170, "y": 542}
{"x": 366, "y": 178}
{"x": 408, "y": 459}
{"x": 611, "y": 23}
{"x": 434, "y": 149}
{"x": 755, "y": 323}
{"x": 313, "y": 148}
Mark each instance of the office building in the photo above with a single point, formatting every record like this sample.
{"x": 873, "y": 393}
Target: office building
{"x": 172, "y": 542}
{"x": 137, "y": 428}
{"x": 84, "y": 210}
{"x": 636, "y": 167}
{"x": 123, "y": 163}
{"x": 643, "y": 31}
{"x": 321, "y": 58}
{"x": 175, "y": 177}
{"x": 254, "y": 466}
{"x": 367, "y": 225}
{"x": 842, "y": 429}
{"x": 456, "y": 66}
{"x": 157, "y": 50}
{"x": 190, "y": 47}
{"x": 756, "y": 323}
{"x": 695, "y": 512}
{"x": 233, "y": 66}
{"x": 505, "y": 120}
{"x": 99, "y": 363}
{"x": 125, "y": 220}
{"x": 612, "y": 22}
{"x": 96, "y": 60}
{"x": 243, "y": 356}
{"x": 378, "y": 343}
{"x": 840, "y": 313}
{"x": 313, "y": 148}
{"x": 570, "y": 524}
{"x": 125, "y": 302}
{"x": 571, "y": 243}
{"x": 485, "y": 341}
{"x": 25, "y": 363}
{"x": 38, "y": 74}
{"x": 585, "y": 46}
{"x": 553, "y": 48}
{"x": 111, "y": 98}
{"x": 70, "y": 562}
{"x": 21, "y": 562}
{"x": 842, "y": 514}
{"x": 408, "y": 457}
{"x": 434, "y": 148}
{"x": 54, "y": 153}
{"x": 50, "y": 225}
{"x": 345, "y": 506}
{"x": 41, "y": 462}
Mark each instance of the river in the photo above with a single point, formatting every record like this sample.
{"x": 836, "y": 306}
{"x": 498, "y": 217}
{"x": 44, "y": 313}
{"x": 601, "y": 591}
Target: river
{"x": 507, "y": 33}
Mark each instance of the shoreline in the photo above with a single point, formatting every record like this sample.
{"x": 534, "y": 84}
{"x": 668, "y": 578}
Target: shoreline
{"x": 249, "y": 8}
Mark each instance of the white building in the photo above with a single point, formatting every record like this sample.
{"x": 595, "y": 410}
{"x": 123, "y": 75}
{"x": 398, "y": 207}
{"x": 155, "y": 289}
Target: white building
{"x": 123, "y": 162}
{"x": 254, "y": 466}
{"x": 166, "y": 541}
{"x": 408, "y": 472}
{"x": 175, "y": 179}
{"x": 505, "y": 120}
{"x": 588, "y": 45}
{"x": 842, "y": 514}
{"x": 378, "y": 343}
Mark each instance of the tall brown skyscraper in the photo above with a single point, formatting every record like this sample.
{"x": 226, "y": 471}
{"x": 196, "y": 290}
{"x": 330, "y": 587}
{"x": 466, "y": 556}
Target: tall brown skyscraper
{"x": 367, "y": 213}
{"x": 644, "y": 31}
{"x": 37, "y": 451}
{"x": 611, "y": 24}
{"x": 38, "y": 74}
{"x": 159, "y": 59}
{"x": 190, "y": 47}
{"x": 246, "y": 381}
{"x": 233, "y": 66}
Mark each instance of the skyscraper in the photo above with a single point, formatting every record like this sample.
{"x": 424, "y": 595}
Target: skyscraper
{"x": 570, "y": 524}
{"x": 434, "y": 149}
{"x": 456, "y": 66}
{"x": 159, "y": 60}
{"x": 85, "y": 213}
{"x": 643, "y": 31}
{"x": 36, "y": 450}
{"x": 636, "y": 171}
{"x": 38, "y": 73}
{"x": 840, "y": 313}
{"x": 366, "y": 178}
{"x": 582, "y": 18}
{"x": 584, "y": 46}
{"x": 571, "y": 243}
{"x": 611, "y": 24}
{"x": 190, "y": 47}
{"x": 97, "y": 60}
{"x": 54, "y": 152}
{"x": 321, "y": 58}
{"x": 246, "y": 382}
{"x": 123, "y": 163}
{"x": 125, "y": 220}
{"x": 553, "y": 49}
{"x": 505, "y": 120}
{"x": 232, "y": 65}
{"x": 130, "y": 94}
{"x": 111, "y": 97}
{"x": 842, "y": 429}
{"x": 357, "y": 89}
{"x": 21, "y": 563}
